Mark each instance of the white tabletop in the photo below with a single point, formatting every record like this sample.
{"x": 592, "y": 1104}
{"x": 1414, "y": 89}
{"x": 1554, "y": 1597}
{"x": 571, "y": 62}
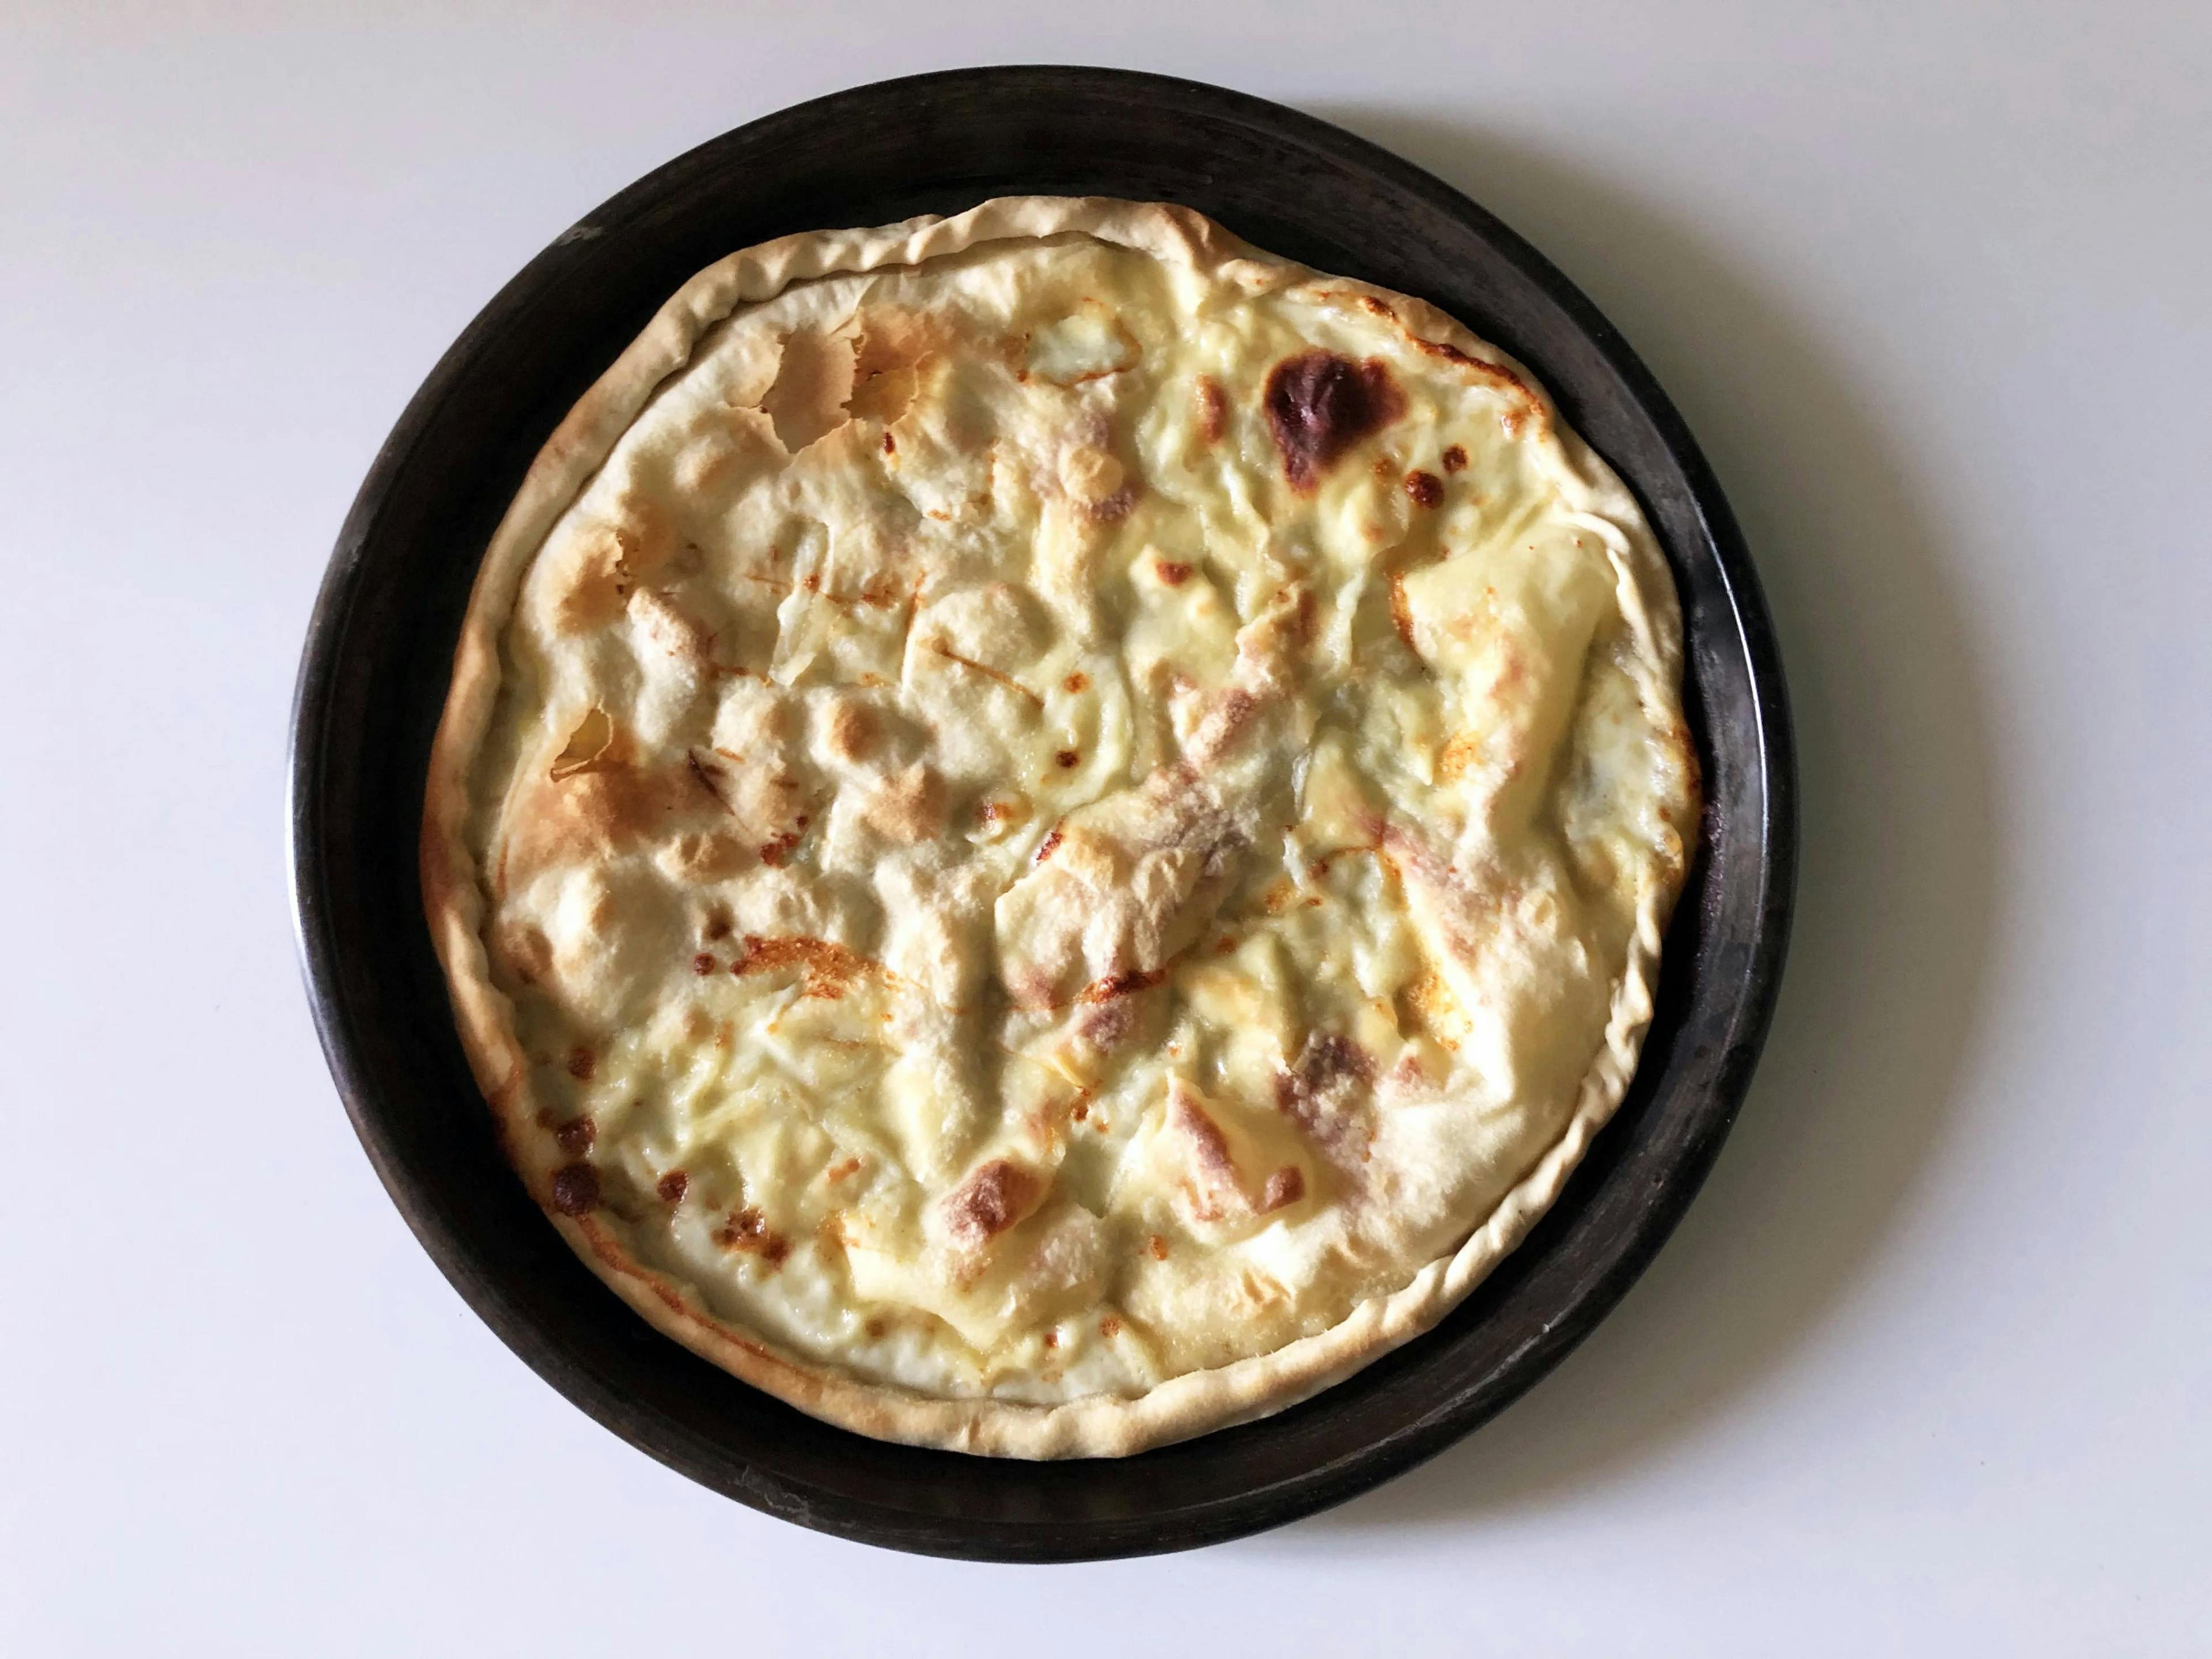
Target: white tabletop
{"x": 1928, "y": 1368}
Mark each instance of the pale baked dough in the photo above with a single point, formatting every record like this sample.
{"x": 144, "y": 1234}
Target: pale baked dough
{"x": 1051, "y": 831}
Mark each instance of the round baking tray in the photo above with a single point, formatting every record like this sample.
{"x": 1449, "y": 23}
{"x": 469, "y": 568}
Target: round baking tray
{"x": 380, "y": 650}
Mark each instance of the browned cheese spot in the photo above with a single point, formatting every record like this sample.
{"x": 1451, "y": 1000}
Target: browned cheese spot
{"x": 1286, "y": 1186}
{"x": 1408, "y": 1072}
{"x": 747, "y": 1230}
{"x": 1209, "y": 1146}
{"x": 1108, "y": 1025}
{"x": 829, "y": 967}
{"x": 853, "y": 730}
{"x": 1077, "y": 682}
{"x": 1320, "y": 405}
{"x": 994, "y": 1197}
{"x": 1425, "y": 488}
{"x": 1212, "y": 409}
{"x": 1173, "y": 571}
{"x": 776, "y": 853}
{"x": 702, "y": 964}
{"x": 1331, "y": 1058}
{"x": 1455, "y": 460}
{"x": 527, "y": 953}
{"x": 575, "y": 1189}
{"x": 1108, "y": 1327}
{"x": 673, "y": 1186}
{"x": 908, "y": 806}
{"x": 1067, "y": 759}
{"x": 1460, "y": 753}
{"x": 1316, "y": 1094}
{"x": 1048, "y": 845}
{"x": 1051, "y": 1339}
{"x": 1121, "y": 985}
{"x": 576, "y": 1135}
{"x": 581, "y": 1063}
{"x": 1158, "y": 1247}
{"x": 1401, "y": 612}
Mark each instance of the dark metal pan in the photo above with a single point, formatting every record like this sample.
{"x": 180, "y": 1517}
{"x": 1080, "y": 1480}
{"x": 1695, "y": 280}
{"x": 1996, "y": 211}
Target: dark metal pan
{"x": 380, "y": 649}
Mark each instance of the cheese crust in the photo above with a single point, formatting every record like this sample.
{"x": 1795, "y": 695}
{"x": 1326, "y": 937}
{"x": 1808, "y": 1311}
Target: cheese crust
{"x": 1050, "y": 831}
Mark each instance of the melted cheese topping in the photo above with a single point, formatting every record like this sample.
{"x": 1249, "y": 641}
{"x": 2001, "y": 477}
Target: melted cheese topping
{"x": 1053, "y": 821}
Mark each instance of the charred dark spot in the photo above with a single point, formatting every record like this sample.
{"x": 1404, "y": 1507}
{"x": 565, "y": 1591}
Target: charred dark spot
{"x": 1320, "y": 405}
{"x": 1455, "y": 460}
{"x": 1173, "y": 571}
{"x": 709, "y": 776}
{"x": 575, "y": 1189}
{"x": 1066, "y": 758}
{"x": 576, "y": 1135}
{"x": 1426, "y": 487}
{"x": 581, "y": 1063}
{"x": 702, "y": 964}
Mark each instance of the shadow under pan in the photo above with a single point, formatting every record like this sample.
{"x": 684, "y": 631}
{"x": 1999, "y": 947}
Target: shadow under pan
{"x": 379, "y": 652}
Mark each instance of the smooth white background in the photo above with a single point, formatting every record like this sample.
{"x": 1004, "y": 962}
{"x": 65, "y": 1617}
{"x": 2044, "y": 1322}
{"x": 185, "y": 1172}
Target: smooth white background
{"x": 1927, "y": 1368}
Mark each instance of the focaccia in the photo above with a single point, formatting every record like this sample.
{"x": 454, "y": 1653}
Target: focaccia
{"x": 1051, "y": 831}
